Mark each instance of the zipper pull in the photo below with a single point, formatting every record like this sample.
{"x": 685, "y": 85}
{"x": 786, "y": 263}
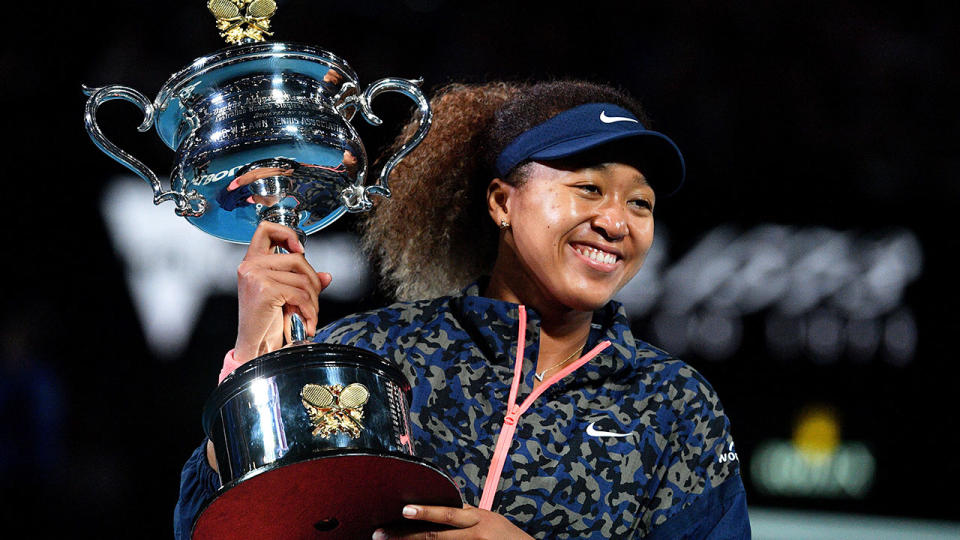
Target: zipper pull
{"x": 512, "y": 416}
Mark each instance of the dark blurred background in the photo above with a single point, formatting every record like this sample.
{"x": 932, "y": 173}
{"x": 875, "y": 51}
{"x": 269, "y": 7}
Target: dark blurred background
{"x": 806, "y": 268}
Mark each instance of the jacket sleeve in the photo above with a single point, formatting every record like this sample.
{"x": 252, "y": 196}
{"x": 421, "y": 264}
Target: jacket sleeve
{"x": 198, "y": 484}
{"x": 700, "y": 493}
{"x": 719, "y": 514}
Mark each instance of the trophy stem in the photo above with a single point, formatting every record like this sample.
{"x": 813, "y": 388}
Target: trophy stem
{"x": 284, "y": 216}
{"x": 289, "y": 218}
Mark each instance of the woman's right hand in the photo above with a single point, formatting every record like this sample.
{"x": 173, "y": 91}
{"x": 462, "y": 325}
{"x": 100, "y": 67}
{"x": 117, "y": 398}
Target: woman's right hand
{"x": 273, "y": 286}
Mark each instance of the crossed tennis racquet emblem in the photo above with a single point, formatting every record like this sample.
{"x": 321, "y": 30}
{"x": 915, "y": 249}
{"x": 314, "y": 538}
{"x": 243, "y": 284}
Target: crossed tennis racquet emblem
{"x": 335, "y": 408}
{"x": 240, "y": 20}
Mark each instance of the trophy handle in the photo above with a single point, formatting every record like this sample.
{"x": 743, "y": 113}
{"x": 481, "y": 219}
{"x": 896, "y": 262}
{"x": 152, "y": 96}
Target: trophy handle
{"x": 188, "y": 204}
{"x": 409, "y": 88}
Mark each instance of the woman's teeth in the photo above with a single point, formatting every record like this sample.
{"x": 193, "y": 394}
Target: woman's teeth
{"x": 597, "y": 255}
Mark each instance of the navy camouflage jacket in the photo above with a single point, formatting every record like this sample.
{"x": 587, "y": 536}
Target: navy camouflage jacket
{"x": 673, "y": 475}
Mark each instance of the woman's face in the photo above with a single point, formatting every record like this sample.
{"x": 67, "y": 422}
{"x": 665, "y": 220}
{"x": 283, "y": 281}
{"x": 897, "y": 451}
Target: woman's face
{"x": 577, "y": 236}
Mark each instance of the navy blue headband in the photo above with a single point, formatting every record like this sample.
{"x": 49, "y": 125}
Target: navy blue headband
{"x": 589, "y": 126}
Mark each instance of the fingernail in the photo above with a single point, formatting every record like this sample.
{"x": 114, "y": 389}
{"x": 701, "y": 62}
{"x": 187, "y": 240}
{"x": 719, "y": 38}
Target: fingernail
{"x": 233, "y": 185}
{"x": 410, "y": 510}
{"x": 379, "y": 535}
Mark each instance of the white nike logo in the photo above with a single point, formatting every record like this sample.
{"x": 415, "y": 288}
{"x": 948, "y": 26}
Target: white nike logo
{"x": 594, "y": 432}
{"x": 611, "y": 119}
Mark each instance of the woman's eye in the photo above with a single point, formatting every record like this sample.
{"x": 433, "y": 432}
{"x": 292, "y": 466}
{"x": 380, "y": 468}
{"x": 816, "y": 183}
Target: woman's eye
{"x": 589, "y": 188}
{"x": 642, "y": 203}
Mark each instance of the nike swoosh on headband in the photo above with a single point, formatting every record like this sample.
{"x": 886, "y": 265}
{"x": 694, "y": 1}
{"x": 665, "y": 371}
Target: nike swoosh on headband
{"x": 594, "y": 432}
{"x": 611, "y": 119}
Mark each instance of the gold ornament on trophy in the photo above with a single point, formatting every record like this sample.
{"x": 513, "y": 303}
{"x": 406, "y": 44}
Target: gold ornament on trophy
{"x": 335, "y": 409}
{"x": 241, "y": 21}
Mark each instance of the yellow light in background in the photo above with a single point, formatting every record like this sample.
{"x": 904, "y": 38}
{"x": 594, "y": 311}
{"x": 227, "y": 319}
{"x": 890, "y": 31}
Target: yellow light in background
{"x": 816, "y": 435}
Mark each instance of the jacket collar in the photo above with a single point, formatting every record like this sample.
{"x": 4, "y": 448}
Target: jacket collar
{"x": 494, "y": 324}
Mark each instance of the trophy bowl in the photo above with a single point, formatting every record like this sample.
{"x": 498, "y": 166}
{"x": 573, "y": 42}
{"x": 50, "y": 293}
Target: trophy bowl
{"x": 262, "y": 131}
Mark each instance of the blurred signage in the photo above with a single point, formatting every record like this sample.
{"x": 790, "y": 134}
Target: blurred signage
{"x": 821, "y": 292}
{"x": 816, "y": 462}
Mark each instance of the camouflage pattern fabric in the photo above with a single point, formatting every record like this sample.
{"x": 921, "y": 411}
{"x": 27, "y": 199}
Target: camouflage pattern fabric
{"x": 672, "y": 472}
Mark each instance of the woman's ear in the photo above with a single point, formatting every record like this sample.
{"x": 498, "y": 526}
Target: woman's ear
{"x": 498, "y": 200}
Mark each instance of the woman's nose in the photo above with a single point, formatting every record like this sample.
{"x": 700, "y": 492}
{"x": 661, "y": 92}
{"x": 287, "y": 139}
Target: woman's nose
{"x": 611, "y": 221}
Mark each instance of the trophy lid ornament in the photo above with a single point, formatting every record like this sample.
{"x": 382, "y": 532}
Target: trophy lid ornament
{"x": 243, "y": 21}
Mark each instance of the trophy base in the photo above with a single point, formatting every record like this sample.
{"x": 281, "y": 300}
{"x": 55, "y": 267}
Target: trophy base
{"x": 345, "y": 496}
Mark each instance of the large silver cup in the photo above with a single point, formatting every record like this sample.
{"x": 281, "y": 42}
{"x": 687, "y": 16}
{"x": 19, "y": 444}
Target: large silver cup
{"x": 262, "y": 105}
{"x": 285, "y": 462}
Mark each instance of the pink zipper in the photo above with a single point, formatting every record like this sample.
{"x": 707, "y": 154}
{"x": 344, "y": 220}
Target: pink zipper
{"x": 514, "y": 412}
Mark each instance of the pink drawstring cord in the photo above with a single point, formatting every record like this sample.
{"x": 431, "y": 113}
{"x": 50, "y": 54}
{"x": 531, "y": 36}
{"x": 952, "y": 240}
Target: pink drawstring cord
{"x": 514, "y": 412}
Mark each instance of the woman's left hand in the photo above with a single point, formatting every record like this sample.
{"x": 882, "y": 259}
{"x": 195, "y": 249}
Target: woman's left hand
{"x": 467, "y": 522}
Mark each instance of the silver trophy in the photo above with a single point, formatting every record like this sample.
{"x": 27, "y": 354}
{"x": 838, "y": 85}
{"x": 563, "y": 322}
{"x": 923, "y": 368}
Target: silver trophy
{"x": 275, "y": 106}
{"x": 262, "y": 131}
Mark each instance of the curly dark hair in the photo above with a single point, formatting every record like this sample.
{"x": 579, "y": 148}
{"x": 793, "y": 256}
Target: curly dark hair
{"x": 435, "y": 236}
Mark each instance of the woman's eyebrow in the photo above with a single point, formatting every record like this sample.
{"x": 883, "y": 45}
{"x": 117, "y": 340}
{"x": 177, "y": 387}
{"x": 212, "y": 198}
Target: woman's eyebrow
{"x": 642, "y": 180}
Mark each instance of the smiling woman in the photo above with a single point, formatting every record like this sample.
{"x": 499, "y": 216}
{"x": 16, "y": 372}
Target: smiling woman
{"x": 510, "y": 229}
{"x": 577, "y": 235}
